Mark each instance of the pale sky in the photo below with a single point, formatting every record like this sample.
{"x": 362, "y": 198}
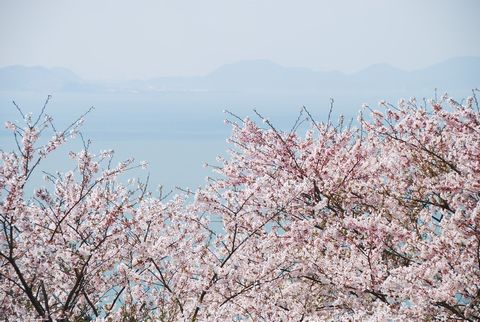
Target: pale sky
{"x": 121, "y": 39}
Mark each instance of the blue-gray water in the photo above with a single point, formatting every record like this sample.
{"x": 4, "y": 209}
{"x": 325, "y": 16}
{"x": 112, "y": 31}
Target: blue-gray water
{"x": 176, "y": 132}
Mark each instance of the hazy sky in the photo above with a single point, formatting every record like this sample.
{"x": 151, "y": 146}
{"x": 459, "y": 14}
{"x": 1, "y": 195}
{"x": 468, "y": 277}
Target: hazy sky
{"x": 138, "y": 39}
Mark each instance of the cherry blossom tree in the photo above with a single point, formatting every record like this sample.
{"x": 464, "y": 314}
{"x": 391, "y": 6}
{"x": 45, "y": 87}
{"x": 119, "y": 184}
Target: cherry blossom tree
{"x": 60, "y": 248}
{"x": 374, "y": 222}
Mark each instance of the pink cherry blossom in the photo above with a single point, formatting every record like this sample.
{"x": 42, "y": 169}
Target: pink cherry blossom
{"x": 377, "y": 223}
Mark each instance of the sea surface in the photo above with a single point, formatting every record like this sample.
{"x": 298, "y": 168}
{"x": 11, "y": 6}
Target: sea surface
{"x": 176, "y": 132}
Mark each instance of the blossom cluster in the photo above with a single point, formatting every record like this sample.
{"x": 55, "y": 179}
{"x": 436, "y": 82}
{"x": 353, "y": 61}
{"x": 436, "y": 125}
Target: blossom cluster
{"x": 378, "y": 222}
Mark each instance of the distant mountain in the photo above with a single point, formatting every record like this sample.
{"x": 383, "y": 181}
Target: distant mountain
{"x": 38, "y": 78}
{"x": 380, "y": 76}
{"x": 264, "y": 74}
{"x": 462, "y": 72}
{"x": 261, "y": 75}
{"x": 457, "y": 73}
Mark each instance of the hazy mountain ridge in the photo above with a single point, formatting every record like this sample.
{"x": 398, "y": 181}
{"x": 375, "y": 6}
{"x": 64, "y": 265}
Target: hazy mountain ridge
{"x": 455, "y": 73}
{"x": 39, "y": 78}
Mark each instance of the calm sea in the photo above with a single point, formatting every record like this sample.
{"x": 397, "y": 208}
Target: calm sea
{"x": 175, "y": 132}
